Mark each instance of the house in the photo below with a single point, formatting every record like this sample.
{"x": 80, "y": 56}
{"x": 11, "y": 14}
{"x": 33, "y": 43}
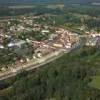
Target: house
{"x": 92, "y": 41}
{"x": 1, "y": 47}
{"x": 11, "y": 44}
{"x": 52, "y": 36}
{"x": 1, "y": 29}
{"x": 45, "y": 31}
{"x": 95, "y": 35}
{"x": 68, "y": 45}
{"x": 57, "y": 45}
{"x": 98, "y": 42}
{"x": 16, "y": 43}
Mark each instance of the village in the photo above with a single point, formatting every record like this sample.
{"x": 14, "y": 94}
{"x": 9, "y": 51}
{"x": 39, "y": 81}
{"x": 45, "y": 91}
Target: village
{"x": 23, "y": 40}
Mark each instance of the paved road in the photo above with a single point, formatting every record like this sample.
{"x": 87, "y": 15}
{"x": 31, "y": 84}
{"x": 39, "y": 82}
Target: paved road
{"x": 33, "y": 65}
{"x": 40, "y": 62}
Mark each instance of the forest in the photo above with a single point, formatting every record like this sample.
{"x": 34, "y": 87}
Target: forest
{"x": 67, "y": 78}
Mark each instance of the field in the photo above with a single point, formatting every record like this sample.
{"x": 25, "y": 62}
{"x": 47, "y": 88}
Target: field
{"x": 55, "y": 6}
{"x": 21, "y": 6}
{"x": 50, "y": 6}
{"x": 95, "y": 82}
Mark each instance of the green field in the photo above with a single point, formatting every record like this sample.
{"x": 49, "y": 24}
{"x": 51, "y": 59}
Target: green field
{"x": 95, "y": 82}
{"x": 22, "y": 6}
{"x": 51, "y": 6}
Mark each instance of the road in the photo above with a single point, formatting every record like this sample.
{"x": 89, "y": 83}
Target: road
{"x": 33, "y": 65}
{"x": 44, "y": 60}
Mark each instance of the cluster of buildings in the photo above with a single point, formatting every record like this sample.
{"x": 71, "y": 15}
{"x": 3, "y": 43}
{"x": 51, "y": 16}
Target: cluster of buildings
{"x": 65, "y": 39}
{"x": 94, "y": 39}
{"x": 58, "y": 38}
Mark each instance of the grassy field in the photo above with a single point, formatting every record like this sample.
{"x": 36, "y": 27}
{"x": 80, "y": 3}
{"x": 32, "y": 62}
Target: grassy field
{"x": 55, "y": 6}
{"x": 50, "y": 6}
{"x": 95, "y": 82}
{"x": 22, "y": 6}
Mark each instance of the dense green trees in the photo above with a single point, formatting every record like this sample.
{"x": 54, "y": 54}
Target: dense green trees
{"x": 66, "y": 78}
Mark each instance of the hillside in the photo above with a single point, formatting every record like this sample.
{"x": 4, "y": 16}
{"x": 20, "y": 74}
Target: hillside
{"x": 66, "y": 78}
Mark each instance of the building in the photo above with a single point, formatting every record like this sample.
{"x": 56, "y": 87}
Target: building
{"x": 16, "y": 43}
{"x": 92, "y": 41}
{"x": 57, "y": 45}
{"x": 98, "y": 42}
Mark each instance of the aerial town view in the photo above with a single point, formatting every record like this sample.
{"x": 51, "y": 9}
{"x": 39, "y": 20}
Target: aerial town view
{"x": 49, "y": 50}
